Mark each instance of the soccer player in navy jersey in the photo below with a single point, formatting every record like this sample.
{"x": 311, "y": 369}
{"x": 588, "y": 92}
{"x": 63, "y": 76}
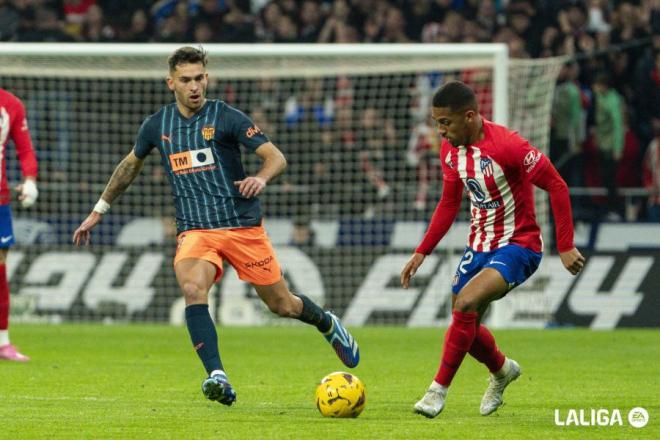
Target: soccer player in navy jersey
{"x": 13, "y": 126}
{"x": 217, "y": 211}
{"x": 499, "y": 168}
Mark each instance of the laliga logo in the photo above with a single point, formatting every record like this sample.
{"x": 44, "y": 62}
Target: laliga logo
{"x": 637, "y": 417}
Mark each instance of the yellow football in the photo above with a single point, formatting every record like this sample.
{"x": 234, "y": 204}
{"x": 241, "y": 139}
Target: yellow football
{"x": 340, "y": 394}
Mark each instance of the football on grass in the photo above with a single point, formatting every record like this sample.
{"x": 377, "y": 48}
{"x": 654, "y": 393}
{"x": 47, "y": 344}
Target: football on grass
{"x": 340, "y": 394}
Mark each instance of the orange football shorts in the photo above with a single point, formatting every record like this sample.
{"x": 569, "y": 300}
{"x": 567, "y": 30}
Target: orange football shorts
{"x": 248, "y": 250}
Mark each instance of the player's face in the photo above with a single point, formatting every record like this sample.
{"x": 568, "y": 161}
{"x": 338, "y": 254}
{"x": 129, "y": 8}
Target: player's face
{"x": 456, "y": 127}
{"x": 189, "y": 82}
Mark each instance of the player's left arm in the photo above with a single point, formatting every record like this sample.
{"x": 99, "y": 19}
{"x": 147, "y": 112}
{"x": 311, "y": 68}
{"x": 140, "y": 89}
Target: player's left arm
{"x": 20, "y": 134}
{"x": 273, "y": 164}
{"x": 547, "y": 178}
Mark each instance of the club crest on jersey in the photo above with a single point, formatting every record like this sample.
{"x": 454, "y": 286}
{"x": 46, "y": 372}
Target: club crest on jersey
{"x": 486, "y": 166}
{"x": 192, "y": 161}
{"x": 208, "y": 132}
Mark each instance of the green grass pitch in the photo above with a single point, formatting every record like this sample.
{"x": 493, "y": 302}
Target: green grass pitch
{"x": 143, "y": 381}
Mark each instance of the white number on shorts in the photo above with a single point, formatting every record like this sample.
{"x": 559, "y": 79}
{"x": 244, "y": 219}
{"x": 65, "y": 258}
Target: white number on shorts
{"x": 467, "y": 259}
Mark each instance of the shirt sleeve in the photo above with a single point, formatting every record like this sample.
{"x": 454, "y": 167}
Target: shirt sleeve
{"x": 146, "y": 140}
{"x": 21, "y": 136}
{"x": 549, "y": 180}
{"x": 449, "y": 172}
{"x": 526, "y": 157}
{"x": 244, "y": 130}
{"x": 443, "y": 216}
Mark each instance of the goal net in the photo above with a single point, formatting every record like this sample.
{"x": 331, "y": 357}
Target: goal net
{"x": 363, "y": 176}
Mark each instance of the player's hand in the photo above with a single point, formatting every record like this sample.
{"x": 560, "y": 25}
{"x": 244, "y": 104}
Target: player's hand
{"x": 572, "y": 260}
{"x": 28, "y": 193}
{"x": 411, "y": 268}
{"x": 250, "y": 186}
{"x": 81, "y": 235}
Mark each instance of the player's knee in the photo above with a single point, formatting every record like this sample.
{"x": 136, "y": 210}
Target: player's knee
{"x": 194, "y": 292}
{"x": 466, "y": 304}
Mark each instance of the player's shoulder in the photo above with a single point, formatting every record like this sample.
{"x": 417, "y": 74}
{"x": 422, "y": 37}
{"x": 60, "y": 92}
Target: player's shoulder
{"x": 9, "y": 99}
{"x": 228, "y": 110}
{"x": 156, "y": 119}
{"x": 446, "y": 153}
{"x": 501, "y": 135}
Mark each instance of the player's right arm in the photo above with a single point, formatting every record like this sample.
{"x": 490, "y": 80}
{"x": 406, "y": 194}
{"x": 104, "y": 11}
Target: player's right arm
{"x": 124, "y": 174}
{"x": 443, "y": 217}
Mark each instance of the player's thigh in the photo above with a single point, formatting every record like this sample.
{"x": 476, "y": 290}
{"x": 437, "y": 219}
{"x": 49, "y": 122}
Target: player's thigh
{"x": 192, "y": 248}
{"x": 3, "y": 255}
{"x": 251, "y": 253}
{"x": 195, "y": 276}
{"x": 486, "y": 286}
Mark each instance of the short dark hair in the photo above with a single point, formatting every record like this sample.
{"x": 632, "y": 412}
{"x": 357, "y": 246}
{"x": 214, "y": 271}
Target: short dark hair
{"x": 187, "y": 55}
{"x": 455, "y": 95}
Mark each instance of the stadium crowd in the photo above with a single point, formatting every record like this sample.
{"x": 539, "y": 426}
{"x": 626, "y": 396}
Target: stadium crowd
{"x": 606, "y": 116}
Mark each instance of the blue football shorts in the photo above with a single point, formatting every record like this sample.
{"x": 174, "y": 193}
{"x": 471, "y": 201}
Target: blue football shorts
{"x": 515, "y": 264}
{"x": 6, "y": 230}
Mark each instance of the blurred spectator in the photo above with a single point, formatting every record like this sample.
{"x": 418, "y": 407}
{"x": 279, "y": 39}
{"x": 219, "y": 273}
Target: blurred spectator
{"x": 94, "y": 27}
{"x": 608, "y": 136}
{"x": 423, "y": 148}
{"x": 416, "y": 15}
{"x": 9, "y": 20}
{"x": 175, "y": 27}
{"x": 310, "y": 21}
{"x": 652, "y": 173}
{"x": 267, "y": 21}
{"x": 286, "y": 30}
{"x": 139, "y": 31}
{"x": 47, "y": 27}
{"x": 567, "y": 131}
{"x": 75, "y": 15}
{"x": 208, "y": 11}
{"x": 335, "y": 27}
{"x": 376, "y": 137}
{"x": 237, "y": 23}
{"x": 487, "y": 17}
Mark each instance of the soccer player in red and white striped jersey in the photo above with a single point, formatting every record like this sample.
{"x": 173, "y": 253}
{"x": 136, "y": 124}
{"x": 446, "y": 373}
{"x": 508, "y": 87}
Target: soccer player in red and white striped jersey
{"x": 499, "y": 168}
{"x": 13, "y": 126}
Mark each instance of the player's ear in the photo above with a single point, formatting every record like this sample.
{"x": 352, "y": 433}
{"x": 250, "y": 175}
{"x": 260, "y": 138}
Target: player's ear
{"x": 469, "y": 114}
{"x": 170, "y": 83}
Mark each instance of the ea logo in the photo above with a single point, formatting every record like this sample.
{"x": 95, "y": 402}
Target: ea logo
{"x": 201, "y": 156}
{"x": 638, "y": 417}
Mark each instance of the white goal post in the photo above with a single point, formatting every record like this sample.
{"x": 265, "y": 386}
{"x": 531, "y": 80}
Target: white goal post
{"x": 363, "y": 178}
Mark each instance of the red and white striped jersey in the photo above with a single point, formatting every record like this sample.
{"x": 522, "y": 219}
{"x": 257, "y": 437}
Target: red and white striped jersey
{"x": 13, "y": 125}
{"x": 497, "y": 171}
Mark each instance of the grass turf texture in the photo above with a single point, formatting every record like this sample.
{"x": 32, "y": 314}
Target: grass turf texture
{"x": 94, "y": 381}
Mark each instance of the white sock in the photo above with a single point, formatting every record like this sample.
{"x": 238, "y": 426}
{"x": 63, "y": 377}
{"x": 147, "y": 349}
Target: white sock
{"x": 220, "y": 372}
{"x": 435, "y": 386}
{"x": 4, "y": 337}
{"x": 504, "y": 370}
